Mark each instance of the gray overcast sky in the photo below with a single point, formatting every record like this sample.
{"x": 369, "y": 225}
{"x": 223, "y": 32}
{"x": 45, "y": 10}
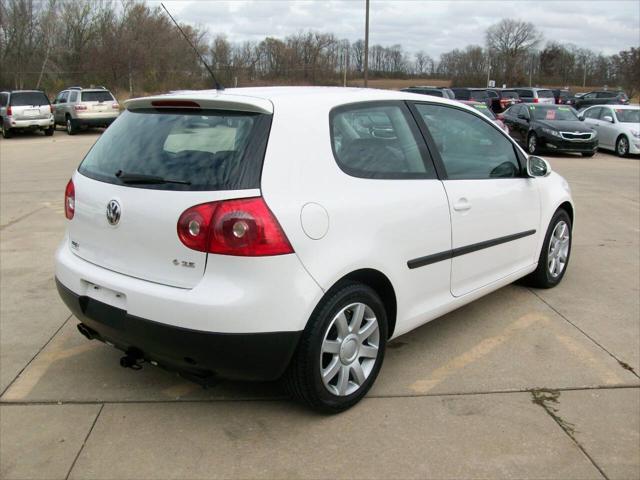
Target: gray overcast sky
{"x": 433, "y": 26}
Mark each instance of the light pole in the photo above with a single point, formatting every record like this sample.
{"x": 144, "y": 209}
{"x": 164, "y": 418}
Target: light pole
{"x": 366, "y": 45}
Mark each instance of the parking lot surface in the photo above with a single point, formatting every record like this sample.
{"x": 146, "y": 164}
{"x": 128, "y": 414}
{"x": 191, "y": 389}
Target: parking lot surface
{"x": 520, "y": 384}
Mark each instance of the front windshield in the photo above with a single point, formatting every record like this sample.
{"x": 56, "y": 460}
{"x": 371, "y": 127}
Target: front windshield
{"x": 552, "y": 112}
{"x": 484, "y": 110}
{"x": 628, "y": 115}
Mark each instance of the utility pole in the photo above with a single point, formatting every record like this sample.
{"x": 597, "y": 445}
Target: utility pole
{"x": 346, "y": 65}
{"x": 366, "y": 45}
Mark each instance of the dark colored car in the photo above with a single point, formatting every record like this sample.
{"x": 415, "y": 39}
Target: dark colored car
{"x": 601, "y": 98}
{"x": 551, "y": 128}
{"x": 442, "y": 92}
{"x": 502, "y": 98}
{"x": 563, "y": 97}
{"x": 472, "y": 94}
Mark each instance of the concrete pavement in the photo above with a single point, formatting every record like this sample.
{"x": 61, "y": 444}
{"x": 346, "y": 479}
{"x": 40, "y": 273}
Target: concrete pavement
{"x": 520, "y": 384}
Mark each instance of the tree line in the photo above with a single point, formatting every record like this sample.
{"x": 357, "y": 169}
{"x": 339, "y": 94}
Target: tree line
{"x": 131, "y": 47}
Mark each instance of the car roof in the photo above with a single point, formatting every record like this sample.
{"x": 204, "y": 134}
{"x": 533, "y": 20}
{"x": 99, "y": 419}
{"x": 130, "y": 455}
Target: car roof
{"x": 267, "y": 99}
{"x": 22, "y": 91}
{"x": 617, "y": 107}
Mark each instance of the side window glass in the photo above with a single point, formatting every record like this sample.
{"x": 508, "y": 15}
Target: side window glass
{"x": 73, "y": 97}
{"x": 63, "y": 97}
{"x": 604, "y": 112}
{"x": 470, "y": 147}
{"x": 378, "y": 141}
{"x": 593, "y": 113}
{"x": 3, "y": 99}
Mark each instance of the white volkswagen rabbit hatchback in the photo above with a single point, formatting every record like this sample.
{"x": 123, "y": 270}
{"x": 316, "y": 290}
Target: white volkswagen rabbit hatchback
{"x": 292, "y": 232}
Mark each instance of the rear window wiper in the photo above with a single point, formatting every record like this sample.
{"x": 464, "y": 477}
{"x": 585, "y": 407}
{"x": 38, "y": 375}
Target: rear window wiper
{"x": 141, "y": 178}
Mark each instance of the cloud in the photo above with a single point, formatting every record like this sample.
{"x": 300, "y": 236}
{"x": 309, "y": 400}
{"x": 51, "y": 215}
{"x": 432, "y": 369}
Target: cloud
{"x": 433, "y": 26}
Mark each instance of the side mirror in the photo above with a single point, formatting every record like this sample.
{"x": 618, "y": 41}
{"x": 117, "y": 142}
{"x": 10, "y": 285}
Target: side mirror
{"x": 538, "y": 167}
{"x": 608, "y": 118}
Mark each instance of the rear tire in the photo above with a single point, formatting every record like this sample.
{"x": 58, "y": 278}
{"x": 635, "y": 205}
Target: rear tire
{"x": 341, "y": 350}
{"x": 49, "y": 131}
{"x": 622, "y": 146}
{"x": 589, "y": 154}
{"x": 6, "y": 132}
{"x": 71, "y": 126}
{"x": 555, "y": 254}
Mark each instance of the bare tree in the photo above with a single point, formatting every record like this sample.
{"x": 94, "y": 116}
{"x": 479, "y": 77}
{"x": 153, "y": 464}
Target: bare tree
{"x": 511, "y": 40}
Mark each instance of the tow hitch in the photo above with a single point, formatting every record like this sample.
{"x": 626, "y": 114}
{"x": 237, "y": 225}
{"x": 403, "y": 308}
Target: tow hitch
{"x": 133, "y": 359}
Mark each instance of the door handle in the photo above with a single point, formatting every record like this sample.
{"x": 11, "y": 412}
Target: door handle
{"x": 462, "y": 205}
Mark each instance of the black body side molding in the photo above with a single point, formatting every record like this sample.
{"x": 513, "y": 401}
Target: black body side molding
{"x": 456, "y": 252}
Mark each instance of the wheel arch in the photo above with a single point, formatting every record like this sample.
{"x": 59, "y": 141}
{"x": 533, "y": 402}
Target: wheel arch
{"x": 379, "y": 282}
{"x": 566, "y": 206}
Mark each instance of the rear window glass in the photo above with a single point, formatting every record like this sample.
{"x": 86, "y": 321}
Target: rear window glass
{"x": 509, "y": 94}
{"x": 545, "y": 94}
{"x": 97, "y": 97}
{"x": 478, "y": 94}
{"x": 525, "y": 93}
{"x": 202, "y": 150}
{"x": 20, "y": 99}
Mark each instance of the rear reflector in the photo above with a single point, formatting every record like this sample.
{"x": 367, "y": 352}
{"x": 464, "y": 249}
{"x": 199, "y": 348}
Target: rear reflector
{"x": 242, "y": 227}
{"x": 175, "y": 104}
{"x": 69, "y": 200}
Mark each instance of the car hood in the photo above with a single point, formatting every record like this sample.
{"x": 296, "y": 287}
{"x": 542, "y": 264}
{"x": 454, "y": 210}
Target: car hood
{"x": 565, "y": 125}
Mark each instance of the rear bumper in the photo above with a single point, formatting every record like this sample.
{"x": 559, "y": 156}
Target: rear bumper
{"x": 200, "y": 354}
{"x": 34, "y": 123}
{"x": 96, "y": 120}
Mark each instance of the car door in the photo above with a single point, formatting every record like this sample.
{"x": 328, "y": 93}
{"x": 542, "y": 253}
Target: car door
{"x": 60, "y": 105}
{"x": 607, "y": 131}
{"x": 592, "y": 118}
{"x": 588, "y": 100}
{"x": 494, "y": 207}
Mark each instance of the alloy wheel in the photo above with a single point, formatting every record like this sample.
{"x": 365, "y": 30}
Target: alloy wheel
{"x": 558, "y": 249}
{"x": 349, "y": 349}
{"x": 623, "y": 146}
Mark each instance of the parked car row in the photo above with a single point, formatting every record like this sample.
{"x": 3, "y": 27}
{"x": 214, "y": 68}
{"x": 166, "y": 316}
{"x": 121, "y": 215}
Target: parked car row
{"x": 74, "y": 108}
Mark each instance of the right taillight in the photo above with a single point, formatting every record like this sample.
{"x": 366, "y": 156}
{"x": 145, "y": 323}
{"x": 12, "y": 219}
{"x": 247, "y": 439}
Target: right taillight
{"x": 9, "y": 112}
{"x": 241, "y": 227}
{"x": 69, "y": 200}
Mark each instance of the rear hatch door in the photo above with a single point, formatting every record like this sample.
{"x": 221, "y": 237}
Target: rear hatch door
{"x": 147, "y": 169}
{"x": 29, "y": 106}
{"x": 98, "y": 101}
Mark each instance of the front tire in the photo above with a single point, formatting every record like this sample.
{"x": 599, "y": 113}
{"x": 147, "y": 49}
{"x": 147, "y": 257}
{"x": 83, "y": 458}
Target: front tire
{"x": 532, "y": 144}
{"x": 622, "y": 146}
{"x": 588, "y": 154}
{"x": 49, "y": 131}
{"x": 341, "y": 350}
{"x": 556, "y": 250}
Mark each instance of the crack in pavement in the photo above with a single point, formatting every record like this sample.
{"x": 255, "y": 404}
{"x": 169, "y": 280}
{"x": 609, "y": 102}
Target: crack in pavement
{"x": 19, "y": 219}
{"x": 95, "y": 420}
{"x": 623, "y": 364}
{"x": 547, "y": 399}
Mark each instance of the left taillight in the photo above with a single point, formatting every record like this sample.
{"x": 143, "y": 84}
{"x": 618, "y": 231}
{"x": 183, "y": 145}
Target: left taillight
{"x": 69, "y": 200}
{"x": 242, "y": 227}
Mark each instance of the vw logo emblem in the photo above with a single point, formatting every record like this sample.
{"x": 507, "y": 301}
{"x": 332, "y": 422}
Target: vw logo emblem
{"x": 113, "y": 212}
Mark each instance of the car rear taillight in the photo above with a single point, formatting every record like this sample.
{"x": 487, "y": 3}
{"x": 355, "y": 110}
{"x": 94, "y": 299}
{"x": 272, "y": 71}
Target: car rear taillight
{"x": 115, "y": 106}
{"x": 69, "y": 200}
{"x": 535, "y": 100}
{"x": 242, "y": 227}
{"x": 79, "y": 107}
{"x": 9, "y": 111}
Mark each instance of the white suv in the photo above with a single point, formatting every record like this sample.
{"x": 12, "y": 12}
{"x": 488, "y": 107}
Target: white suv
{"x": 291, "y": 232}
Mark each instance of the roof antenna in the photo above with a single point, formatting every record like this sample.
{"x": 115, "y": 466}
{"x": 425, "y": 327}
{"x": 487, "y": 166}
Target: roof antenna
{"x": 217, "y": 84}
